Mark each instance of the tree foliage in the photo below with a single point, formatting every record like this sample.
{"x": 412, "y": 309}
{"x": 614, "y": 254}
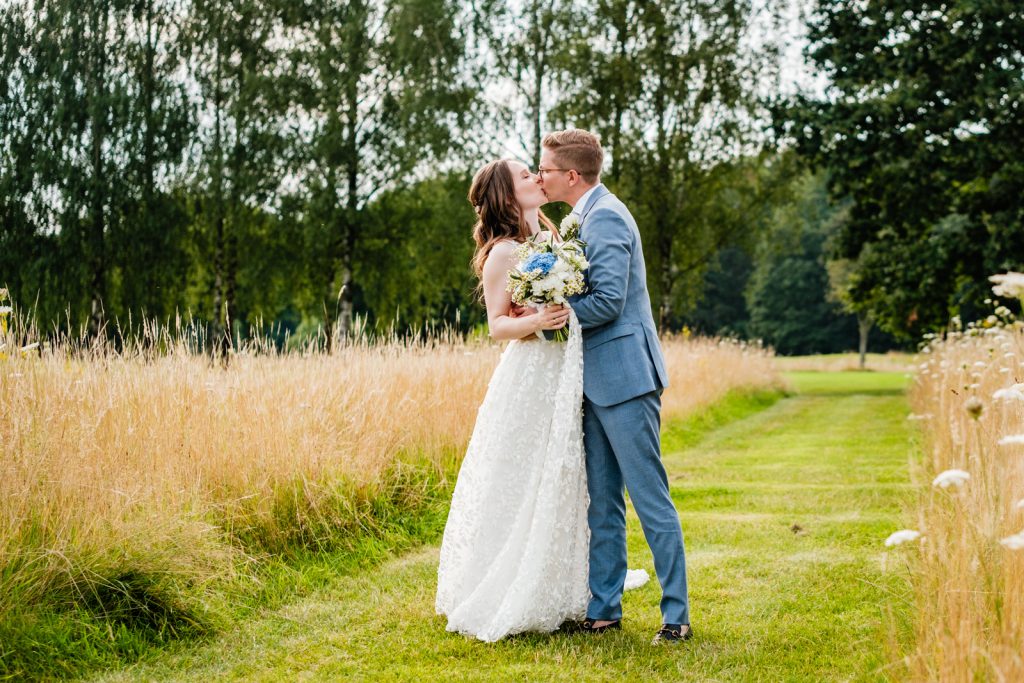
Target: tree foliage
{"x": 302, "y": 164}
{"x": 672, "y": 89}
{"x": 920, "y": 128}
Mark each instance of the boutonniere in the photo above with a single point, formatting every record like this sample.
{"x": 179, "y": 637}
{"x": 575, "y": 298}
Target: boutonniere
{"x": 569, "y": 228}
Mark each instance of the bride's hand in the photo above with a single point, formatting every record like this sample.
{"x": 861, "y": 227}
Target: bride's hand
{"x": 552, "y": 317}
{"x": 516, "y": 311}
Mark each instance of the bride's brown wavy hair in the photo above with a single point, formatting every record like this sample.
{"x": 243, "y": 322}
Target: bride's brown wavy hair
{"x": 499, "y": 216}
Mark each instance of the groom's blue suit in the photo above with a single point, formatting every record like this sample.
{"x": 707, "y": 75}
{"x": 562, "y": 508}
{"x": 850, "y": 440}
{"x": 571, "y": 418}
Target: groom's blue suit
{"x": 623, "y": 377}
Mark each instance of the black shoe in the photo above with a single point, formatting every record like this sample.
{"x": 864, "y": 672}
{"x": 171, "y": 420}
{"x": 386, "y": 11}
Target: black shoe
{"x": 587, "y": 626}
{"x": 672, "y": 633}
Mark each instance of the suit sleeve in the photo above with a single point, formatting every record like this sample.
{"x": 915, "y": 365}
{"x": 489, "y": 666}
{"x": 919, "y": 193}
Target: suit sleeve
{"x": 609, "y": 250}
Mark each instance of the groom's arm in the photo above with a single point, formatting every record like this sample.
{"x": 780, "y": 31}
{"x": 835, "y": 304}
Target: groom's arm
{"x": 608, "y": 251}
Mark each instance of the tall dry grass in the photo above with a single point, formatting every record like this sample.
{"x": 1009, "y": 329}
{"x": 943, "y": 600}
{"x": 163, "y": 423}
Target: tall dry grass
{"x": 969, "y": 587}
{"x": 153, "y": 461}
{"x": 703, "y": 370}
{"x": 891, "y": 361}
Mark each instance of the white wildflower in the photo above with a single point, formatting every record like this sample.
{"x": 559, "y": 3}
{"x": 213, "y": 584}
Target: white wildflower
{"x": 1008, "y": 284}
{"x": 1020, "y": 504}
{"x": 1012, "y": 440}
{"x": 5, "y": 309}
{"x": 548, "y": 283}
{"x": 1015, "y": 542}
{"x": 1009, "y": 394}
{"x": 902, "y": 536}
{"x": 951, "y": 478}
{"x": 30, "y": 347}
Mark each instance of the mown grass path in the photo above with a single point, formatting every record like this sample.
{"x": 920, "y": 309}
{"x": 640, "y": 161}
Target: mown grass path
{"x": 784, "y": 513}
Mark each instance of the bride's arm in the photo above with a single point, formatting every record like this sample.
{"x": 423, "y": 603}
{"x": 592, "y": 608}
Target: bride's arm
{"x": 499, "y": 302}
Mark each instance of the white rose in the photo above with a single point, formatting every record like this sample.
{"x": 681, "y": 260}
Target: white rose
{"x": 548, "y": 283}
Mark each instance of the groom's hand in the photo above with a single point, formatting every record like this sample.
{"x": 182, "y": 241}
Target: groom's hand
{"x": 518, "y": 311}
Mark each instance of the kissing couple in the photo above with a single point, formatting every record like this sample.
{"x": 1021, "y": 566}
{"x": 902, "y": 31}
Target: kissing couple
{"x": 536, "y": 534}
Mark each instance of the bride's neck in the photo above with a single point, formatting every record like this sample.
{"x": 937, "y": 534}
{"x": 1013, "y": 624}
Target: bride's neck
{"x": 532, "y": 217}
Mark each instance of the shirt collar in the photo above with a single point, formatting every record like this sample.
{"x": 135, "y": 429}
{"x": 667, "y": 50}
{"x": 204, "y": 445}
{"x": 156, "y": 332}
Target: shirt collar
{"x": 582, "y": 203}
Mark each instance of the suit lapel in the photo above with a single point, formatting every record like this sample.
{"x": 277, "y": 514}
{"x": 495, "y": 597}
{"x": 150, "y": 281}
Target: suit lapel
{"x": 599, "y": 192}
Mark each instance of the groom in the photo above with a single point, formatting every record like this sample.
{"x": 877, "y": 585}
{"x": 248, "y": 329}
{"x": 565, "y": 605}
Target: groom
{"x": 623, "y": 377}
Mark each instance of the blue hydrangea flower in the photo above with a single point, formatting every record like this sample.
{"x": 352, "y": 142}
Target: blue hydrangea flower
{"x": 542, "y": 262}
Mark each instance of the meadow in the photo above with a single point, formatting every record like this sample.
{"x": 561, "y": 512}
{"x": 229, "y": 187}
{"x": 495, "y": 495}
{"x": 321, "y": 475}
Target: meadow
{"x": 152, "y": 495}
{"x": 163, "y": 511}
{"x": 785, "y": 501}
{"x": 892, "y": 361}
{"x": 968, "y": 564}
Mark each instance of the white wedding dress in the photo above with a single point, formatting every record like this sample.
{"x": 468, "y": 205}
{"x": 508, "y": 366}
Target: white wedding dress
{"x": 514, "y": 554}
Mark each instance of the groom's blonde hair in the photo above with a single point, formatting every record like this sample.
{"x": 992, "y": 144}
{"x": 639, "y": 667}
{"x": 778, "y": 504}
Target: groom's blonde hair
{"x": 577, "y": 149}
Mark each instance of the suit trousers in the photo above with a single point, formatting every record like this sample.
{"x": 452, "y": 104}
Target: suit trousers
{"x": 623, "y": 450}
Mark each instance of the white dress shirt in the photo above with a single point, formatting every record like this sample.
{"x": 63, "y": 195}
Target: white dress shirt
{"x": 578, "y": 206}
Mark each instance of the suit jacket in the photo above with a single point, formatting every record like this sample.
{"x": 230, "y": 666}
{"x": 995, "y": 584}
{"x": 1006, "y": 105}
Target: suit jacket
{"x": 622, "y": 357}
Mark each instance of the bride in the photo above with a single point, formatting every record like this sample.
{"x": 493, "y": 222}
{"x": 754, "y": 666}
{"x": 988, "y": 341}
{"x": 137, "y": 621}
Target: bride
{"x": 515, "y": 548}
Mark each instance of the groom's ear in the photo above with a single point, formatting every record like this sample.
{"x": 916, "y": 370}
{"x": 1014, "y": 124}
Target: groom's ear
{"x": 574, "y": 177}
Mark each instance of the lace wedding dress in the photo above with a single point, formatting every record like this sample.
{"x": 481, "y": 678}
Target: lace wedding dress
{"x": 514, "y": 554}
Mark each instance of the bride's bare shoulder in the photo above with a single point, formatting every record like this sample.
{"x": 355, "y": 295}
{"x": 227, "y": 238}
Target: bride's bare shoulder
{"x": 501, "y": 254}
{"x": 504, "y": 247}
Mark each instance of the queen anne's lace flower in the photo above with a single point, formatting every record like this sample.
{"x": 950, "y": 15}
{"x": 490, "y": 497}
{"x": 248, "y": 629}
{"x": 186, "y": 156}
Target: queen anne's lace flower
{"x": 1009, "y": 394}
{"x": 951, "y": 478}
{"x": 1009, "y": 284}
{"x": 902, "y": 536}
{"x": 1015, "y": 542}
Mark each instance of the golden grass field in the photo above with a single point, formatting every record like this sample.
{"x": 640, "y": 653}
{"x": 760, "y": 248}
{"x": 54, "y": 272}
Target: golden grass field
{"x": 165, "y": 464}
{"x": 893, "y": 361}
{"x": 969, "y": 581}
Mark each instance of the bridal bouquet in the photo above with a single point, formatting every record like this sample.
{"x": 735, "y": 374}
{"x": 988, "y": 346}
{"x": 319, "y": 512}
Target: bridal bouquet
{"x": 549, "y": 271}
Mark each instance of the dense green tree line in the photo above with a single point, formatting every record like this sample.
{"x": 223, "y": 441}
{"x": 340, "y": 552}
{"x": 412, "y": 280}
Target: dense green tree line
{"x": 228, "y": 159}
{"x": 304, "y": 163}
{"x": 920, "y": 128}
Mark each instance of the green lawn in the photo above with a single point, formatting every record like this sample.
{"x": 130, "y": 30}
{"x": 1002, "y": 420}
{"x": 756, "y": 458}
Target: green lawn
{"x": 784, "y": 509}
